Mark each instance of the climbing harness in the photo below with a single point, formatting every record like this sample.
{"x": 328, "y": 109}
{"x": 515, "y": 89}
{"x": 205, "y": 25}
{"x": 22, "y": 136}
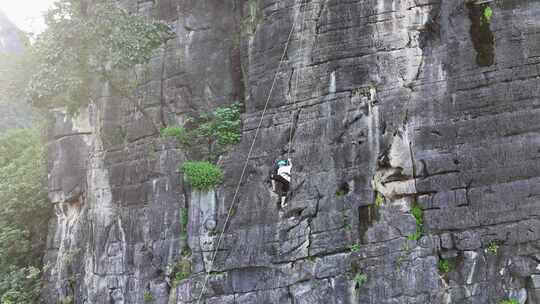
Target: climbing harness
{"x": 231, "y": 208}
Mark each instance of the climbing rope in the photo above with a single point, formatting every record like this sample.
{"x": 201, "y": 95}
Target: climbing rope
{"x": 295, "y": 98}
{"x": 246, "y": 163}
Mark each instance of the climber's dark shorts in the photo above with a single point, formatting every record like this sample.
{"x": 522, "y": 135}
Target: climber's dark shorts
{"x": 282, "y": 185}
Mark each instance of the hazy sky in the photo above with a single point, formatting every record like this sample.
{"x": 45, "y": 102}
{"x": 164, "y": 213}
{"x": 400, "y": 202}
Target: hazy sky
{"x": 26, "y": 14}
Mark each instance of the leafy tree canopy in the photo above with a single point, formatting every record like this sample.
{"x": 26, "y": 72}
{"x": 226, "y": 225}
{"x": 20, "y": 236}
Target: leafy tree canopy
{"x": 212, "y": 132}
{"x": 24, "y": 214}
{"x": 83, "y": 43}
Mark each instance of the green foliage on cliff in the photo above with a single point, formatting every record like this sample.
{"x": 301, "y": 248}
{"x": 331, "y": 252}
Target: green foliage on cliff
{"x": 181, "y": 271}
{"x": 492, "y": 248}
{"x": 509, "y": 301}
{"x": 14, "y": 75}
{"x": 217, "y": 130}
{"x": 148, "y": 297}
{"x": 202, "y": 175}
{"x": 176, "y": 132}
{"x": 211, "y": 133}
{"x": 354, "y": 247}
{"x": 24, "y": 215}
{"x": 444, "y": 266}
{"x": 418, "y": 215}
{"x": 222, "y": 125}
{"x": 487, "y": 14}
{"x": 360, "y": 279}
{"x": 84, "y": 43}
{"x": 379, "y": 200}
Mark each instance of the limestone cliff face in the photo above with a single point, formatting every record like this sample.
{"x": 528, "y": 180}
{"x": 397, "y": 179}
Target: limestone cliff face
{"x": 392, "y": 104}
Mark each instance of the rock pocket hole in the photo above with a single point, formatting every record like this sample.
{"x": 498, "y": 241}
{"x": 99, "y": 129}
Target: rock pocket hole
{"x": 366, "y": 217}
{"x": 343, "y": 189}
{"x": 481, "y": 35}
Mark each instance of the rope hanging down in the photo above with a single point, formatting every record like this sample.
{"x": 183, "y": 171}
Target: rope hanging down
{"x": 295, "y": 97}
{"x": 246, "y": 162}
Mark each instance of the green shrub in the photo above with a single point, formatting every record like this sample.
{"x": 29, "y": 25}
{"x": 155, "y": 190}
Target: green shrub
{"x": 487, "y": 14}
{"x": 181, "y": 271}
{"x": 177, "y": 132}
{"x": 20, "y": 285}
{"x": 360, "y": 279}
{"x": 493, "y": 248}
{"x": 212, "y": 133}
{"x": 379, "y": 200}
{"x": 218, "y": 130}
{"x": 509, "y": 301}
{"x": 418, "y": 215}
{"x": 148, "y": 297}
{"x": 186, "y": 252}
{"x": 226, "y": 121}
{"x": 444, "y": 266}
{"x": 354, "y": 247}
{"x": 415, "y": 236}
{"x": 202, "y": 175}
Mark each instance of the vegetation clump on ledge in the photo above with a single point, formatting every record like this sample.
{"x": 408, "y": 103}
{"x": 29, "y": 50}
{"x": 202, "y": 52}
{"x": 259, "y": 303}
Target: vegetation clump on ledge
{"x": 207, "y": 137}
{"x": 181, "y": 271}
{"x": 360, "y": 279}
{"x": 202, "y": 175}
{"x": 176, "y": 132}
{"x": 212, "y": 133}
{"x": 418, "y": 215}
{"x": 444, "y": 266}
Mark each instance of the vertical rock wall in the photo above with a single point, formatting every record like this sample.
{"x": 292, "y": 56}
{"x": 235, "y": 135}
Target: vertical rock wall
{"x": 115, "y": 184}
{"x": 393, "y": 107}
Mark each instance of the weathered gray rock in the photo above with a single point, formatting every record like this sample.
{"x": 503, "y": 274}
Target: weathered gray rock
{"x": 383, "y": 96}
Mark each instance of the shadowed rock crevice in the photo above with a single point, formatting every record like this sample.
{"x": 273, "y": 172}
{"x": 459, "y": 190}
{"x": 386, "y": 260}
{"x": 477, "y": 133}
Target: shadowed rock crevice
{"x": 483, "y": 39}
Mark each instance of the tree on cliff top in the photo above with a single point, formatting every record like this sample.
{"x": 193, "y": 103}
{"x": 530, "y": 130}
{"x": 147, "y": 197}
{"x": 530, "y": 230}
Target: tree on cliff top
{"x": 83, "y": 44}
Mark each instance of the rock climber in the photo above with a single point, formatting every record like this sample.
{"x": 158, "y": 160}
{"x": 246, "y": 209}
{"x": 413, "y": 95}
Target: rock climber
{"x": 281, "y": 178}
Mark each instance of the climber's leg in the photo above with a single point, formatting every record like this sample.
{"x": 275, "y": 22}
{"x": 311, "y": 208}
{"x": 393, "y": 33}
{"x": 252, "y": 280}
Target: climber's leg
{"x": 284, "y": 195}
{"x": 283, "y": 189}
